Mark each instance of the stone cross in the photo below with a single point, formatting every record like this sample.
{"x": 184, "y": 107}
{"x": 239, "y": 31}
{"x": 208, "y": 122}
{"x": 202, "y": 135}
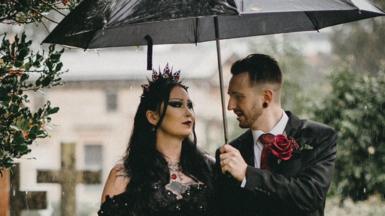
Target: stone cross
{"x": 17, "y": 200}
{"x": 68, "y": 177}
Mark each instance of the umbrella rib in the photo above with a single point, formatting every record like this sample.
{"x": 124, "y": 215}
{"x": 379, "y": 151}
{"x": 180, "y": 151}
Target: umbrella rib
{"x": 124, "y": 7}
{"x": 121, "y": 8}
{"x": 196, "y": 30}
{"x": 313, "y": 20}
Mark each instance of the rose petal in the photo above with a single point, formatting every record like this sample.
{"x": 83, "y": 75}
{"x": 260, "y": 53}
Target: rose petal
{"x": 286, "y": 158}
{"x": 281, "y": 147}
{"x": 280, "y": 138}
{"x": 275, "y": 153}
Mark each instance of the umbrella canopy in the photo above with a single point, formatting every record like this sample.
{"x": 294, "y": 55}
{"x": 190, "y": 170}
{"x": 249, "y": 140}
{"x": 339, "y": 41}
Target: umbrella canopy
{"x": 108, "y": 23}
{"x": 116, "y": 23}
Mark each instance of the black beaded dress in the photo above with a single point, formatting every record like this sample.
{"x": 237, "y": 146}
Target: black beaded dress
{"x": 155, "y": 199}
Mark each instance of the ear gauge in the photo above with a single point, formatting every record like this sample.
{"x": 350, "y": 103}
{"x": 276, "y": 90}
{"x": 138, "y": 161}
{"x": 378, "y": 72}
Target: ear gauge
{"x": 265, "y": 105}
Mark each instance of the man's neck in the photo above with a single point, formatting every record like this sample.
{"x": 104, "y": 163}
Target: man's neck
{"x": 268, "y": 119}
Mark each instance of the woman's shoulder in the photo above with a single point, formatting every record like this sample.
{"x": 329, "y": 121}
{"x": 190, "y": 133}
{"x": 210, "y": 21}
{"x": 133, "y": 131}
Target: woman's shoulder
{"x": 116, "y": 182}
{"x": 119, "y": 170}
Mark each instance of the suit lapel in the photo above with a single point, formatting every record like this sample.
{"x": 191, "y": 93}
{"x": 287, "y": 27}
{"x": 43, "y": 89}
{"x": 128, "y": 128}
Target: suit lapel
{"x": 245, "y": 146}
{"x": 293, "y": 126}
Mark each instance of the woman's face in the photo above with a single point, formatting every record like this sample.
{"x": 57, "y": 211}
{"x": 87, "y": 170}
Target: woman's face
{"x": 179, "y": 118}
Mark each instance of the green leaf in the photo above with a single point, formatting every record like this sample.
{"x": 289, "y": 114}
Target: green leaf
{"x": 53, "y": 110}
{"x": 18, "y": 139}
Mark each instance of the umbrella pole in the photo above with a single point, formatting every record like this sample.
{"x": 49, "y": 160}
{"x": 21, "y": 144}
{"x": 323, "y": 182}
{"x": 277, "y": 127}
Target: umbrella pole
{"x": 221, "y": 78}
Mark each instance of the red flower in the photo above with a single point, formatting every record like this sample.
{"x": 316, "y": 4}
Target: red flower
{"x": 282, "y": 147}
{"x": 65, "y": 2}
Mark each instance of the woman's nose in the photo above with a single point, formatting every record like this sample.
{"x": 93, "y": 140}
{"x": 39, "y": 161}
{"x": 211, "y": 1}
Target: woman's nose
{"x": 188, "y": 111}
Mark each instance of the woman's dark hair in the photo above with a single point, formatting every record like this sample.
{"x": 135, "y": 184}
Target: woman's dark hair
{"x": 143, "y": 162}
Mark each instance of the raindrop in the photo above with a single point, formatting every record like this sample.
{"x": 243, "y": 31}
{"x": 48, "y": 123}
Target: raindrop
{"x": 371, "y": 150}
{"x": 104, "y": 26}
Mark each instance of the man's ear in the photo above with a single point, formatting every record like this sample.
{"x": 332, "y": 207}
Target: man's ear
{"x": 267, "y": 95}
{"x": 152, "y": 117}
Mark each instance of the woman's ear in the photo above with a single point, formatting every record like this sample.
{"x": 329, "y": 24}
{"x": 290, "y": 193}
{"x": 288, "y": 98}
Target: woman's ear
{"x": 152, "y": 117}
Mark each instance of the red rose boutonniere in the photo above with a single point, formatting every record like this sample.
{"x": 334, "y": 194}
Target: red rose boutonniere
{"x": 283, "y": 147}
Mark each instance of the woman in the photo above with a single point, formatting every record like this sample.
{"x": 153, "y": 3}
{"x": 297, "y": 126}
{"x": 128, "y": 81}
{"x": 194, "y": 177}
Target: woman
{"x": 163, "y": 172}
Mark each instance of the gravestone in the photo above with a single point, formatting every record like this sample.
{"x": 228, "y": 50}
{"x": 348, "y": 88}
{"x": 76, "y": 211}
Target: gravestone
{"x": 68, "y": 177}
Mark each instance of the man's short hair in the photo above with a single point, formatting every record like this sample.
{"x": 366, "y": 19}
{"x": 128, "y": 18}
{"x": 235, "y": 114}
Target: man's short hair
{"x": 261, "y": 68}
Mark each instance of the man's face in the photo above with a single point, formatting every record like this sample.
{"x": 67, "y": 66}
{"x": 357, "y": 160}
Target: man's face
{"x": 245, "y": 100}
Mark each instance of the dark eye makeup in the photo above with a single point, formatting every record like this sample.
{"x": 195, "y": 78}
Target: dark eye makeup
{"x": 190, "y": 105}
{"x": 176, "y": 104}
{"x": 179, "y": 104}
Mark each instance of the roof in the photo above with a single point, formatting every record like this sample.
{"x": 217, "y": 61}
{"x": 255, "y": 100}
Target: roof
{"x": 195, "y": 62}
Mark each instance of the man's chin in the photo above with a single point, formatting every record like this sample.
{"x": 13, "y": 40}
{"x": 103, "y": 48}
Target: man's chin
{"x": 243, "y": 125}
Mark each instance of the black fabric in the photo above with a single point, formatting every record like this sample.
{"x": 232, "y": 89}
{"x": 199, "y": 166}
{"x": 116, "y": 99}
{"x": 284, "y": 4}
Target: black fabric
{"x": 294, "y": 187}
{"x": 195, "y": 202}
{"x": 155, "y": 200}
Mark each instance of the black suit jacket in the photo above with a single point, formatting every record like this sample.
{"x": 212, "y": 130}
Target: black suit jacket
{"x": 294, "y": 187}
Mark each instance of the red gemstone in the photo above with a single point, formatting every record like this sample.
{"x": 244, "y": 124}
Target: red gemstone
{"x": 173, "y": 176}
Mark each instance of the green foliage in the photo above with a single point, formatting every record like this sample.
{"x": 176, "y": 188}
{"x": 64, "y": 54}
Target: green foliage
{"x": 28, "y": 11}
{"x": 364, "y": 52}
{"x": 293, "y": 65}
{"x": 355, "y": 108}
{"x": 22, "y": 71}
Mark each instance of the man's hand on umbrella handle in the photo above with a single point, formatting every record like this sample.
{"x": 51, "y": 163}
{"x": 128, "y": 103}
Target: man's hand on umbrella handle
{"x": 232, "y": 162}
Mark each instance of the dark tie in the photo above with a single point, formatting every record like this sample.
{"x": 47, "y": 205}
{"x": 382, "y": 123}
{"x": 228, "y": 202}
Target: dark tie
{"x": 266, "y": 140}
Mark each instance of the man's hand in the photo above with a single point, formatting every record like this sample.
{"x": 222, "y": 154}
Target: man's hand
{"x": 232, "y": 162}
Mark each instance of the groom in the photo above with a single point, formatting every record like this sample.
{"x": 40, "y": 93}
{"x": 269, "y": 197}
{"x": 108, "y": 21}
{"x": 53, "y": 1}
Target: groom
{"x": 281, "y": 165}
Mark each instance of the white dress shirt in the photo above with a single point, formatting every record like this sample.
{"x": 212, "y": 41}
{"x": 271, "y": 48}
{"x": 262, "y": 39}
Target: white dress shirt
{"x": 258, "y": 146}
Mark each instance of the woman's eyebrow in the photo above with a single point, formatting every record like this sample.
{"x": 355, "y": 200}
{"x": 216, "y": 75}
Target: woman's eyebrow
{"x": 179, "y": 99}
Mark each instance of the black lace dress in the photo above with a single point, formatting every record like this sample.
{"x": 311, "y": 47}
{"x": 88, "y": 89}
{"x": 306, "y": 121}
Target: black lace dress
{"x": 195, "y": 201}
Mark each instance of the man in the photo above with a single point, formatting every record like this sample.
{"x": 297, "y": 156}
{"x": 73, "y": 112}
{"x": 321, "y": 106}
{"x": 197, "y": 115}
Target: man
{"x": 281, "y": 165}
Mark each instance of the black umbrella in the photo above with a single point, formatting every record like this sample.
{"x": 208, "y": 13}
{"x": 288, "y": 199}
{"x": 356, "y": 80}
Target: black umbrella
{"x": 116, "y": 23}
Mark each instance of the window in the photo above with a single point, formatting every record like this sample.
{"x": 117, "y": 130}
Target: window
{"x": 93, "y": 157}
{"x": 111, "y": 101}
